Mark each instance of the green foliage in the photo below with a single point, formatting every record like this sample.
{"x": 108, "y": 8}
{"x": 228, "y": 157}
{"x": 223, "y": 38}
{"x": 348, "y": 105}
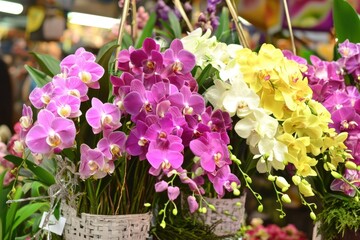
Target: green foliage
{"x": 42, "y": 174}
{"x": 223, "y": 31}
{"x": 47, "y": 63}
{"x": 38, "y": 76}
{"x": 147, "y": 31}
{"x": 175, "y": 24}
{"x": 346, "y": 22}
{"x": 338, "y": 216}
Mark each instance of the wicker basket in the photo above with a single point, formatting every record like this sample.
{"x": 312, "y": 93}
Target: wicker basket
{"x": 105, "y": 227}
{"x": 228, "y": 215}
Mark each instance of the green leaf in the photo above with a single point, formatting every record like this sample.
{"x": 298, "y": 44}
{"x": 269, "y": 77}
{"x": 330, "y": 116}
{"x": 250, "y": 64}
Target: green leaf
{"x": 346, "y": 22}
{"x": 147, "y": 31}
{"x": 48, "y": 64}
{"x": 43, "y": 175}
{"x": 36, "y": 187}
{"x": 26, "y": 211}
{"x": 10, "y": 216}
{"x": 38, "y": 76}
{"x": 167, "y": 28}
{"x": 126, "y": 41}
{"x": 3, "y": 207}
{"x": 206, "y": 74}
{"x": 175, "y": 24}
{"x": 223, "y": 31}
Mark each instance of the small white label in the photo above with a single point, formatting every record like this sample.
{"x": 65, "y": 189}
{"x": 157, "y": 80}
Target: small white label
{"x": 53, "y": 225}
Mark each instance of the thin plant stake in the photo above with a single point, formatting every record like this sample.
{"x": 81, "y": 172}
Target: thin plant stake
{"x": 179, "y": 6}
{"x": 121, "y": 29}
{"x": 134, "y": 28}
{"x": 238, "y": 25}
{"x": 289, "y": 25}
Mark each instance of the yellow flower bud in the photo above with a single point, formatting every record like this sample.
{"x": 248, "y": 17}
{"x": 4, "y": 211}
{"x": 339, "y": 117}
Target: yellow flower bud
{"x": 236, "y": 192}
{"x": 271, "y": 178}
{"x": 296, "y": 179}
{"x": 350, "y": 165}
{"x": 204, "y": 210}
{"x": 285, "y": 198}
{"x": 305, "y": 188}
{"x": 175, "y": 211}
{"x": 329, "y": 166}
{"x": 313, "y": 216}
{"x": 282, "y": 183}
{"x": 147, "y": 204}
{"x": 163, "y": 224}
{"x": 212, "y": 207}
{"x": 356, "y": 198}
{"x": 336, "y": 175}
{"x": 238, "y": 204}
{"x": 248, "y": 179}
{"x": 260, "y": 208}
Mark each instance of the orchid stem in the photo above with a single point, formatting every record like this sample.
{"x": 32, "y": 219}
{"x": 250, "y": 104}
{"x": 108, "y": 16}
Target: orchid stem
{"x": 289, "y": 25}
{"x": 121, "y": 29}
{"x": 179, "y": 6}
{"x": 238, "y": 25}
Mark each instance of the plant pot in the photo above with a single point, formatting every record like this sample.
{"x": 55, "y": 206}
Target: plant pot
{"x": 114, "y": 227}
{"x": 228, "y": 217}
{"x": 348, "y": 235}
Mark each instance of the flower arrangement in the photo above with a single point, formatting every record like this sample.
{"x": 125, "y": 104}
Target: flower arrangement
{"x": 256, "y": 230}
{"x": 198, "y": 115}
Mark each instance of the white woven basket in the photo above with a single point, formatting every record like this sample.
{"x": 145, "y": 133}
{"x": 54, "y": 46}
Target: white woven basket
{"x": 105, "y": 227}
{"x": 228, "y": 215}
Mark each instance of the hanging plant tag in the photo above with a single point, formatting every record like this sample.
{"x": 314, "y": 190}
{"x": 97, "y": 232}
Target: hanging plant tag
{"x": 53, "y": 225}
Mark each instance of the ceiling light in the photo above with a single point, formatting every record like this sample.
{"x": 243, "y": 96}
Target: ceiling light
{"x": 91, "y": 20}
{"x": 11, "y": 8}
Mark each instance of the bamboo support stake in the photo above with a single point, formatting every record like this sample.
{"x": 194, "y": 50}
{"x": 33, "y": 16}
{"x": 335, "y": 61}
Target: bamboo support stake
{"x": 179, "y": 6}
{"x": 289, "y": 25}
{"x": 238, "y": 25}
{"x": 134, "y": 28}
{"x": 122, "y": 29}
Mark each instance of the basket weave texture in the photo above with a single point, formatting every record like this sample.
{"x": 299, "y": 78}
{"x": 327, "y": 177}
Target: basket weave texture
{"x": 228, "y": 215}
{"x": 105, "y": 227}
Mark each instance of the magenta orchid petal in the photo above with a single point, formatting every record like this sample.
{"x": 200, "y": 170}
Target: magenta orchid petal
{"x": 193, "y": 204}
{"x": 161, "y": 186}
{"x": 173, "y": 193}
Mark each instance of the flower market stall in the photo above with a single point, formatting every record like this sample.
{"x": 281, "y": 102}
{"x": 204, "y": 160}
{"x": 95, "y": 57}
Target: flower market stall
{"x": 163, "y": 131}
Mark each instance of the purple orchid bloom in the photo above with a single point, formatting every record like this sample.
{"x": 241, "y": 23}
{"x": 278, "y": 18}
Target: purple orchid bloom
{"x": 148, "y": 57}
{"x": 352, "y": 176}
{"x": 213, "y": 152}
{"x": 50, "y": 133}
{"x": 138, "y": 99}
{"x": 70, "y": 86}
{"x": 169, "y": 157}
{"x": 103, "y": 116}
{"x": 123, "y": 82}
{"x": 188, "y": 102}
{"x": 180, "y": 60}
{"x": 26, "y": 120}
{"x": 348, "y": 49}
{"x": 113, "y": 145}
{"x": 88, "y": 72}
{"x": 40, "y": 97}
{"x": 72, "y": 59}
{"x": 136, "y": 144}
{"x": 346, "y": 120}
{"x": 223, "y": 179}
{"x": 91, "y": 161}
{"x": 66, "y": 106}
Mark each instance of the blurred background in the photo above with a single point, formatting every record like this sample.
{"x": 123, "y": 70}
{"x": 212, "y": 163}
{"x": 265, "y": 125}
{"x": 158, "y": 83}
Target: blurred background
{"x": 58, "y": 27}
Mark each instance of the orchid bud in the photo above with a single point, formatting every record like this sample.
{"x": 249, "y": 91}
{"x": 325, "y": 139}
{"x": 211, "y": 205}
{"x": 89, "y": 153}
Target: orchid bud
{"x": 313, "y": 216}
{"x": 212, "y": 207}
{"x": 282, "y": 183}
{"x": 296, "y": 179}
{"x": 161, "y": 186}
{"x": 193, "y": 204}
{"x": 260, "y": 208}
{"x": 147, "y": 204}
{"x": 350, "y": 165}
{"x": 163, "y": 224}
{"x": 285, "y": 198}
{"x": 305, "y": 188}
{"x": 336, "y": 175}
{"x": 271, "y": 178}
{"x": 174, "y": 211}
{"x": 236, "y": 192}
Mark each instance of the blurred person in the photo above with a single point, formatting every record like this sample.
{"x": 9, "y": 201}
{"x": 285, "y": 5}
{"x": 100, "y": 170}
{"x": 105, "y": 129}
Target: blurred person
{"x": 6, "y": 98}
